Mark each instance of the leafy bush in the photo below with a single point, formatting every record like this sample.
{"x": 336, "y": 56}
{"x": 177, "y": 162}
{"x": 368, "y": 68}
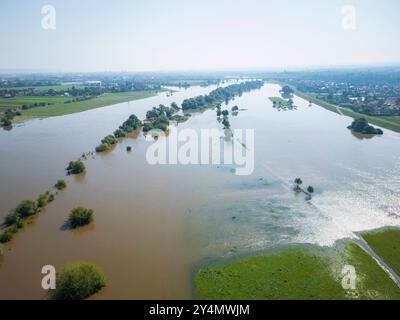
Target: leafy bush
{"x": 110, "y": 139}
{"x": 76, "y": 167}
{"x": 60, "y": 185}
{"x": 26, "y": 208}
{"x": 102, "y": 147}
{"x": 6, "y": 236}
{"x": 51, "y": 198}
{"x": 131, "y": 124}
{"x": 12, "y": 217}
{"x": 80, "y": 217}
{"x": 362, "y": 126}
{"x": 43, "y": 200}
{"x": 19, "y": 223}
{"x": 78, "y": 281}
{"x": 119, "y": 133}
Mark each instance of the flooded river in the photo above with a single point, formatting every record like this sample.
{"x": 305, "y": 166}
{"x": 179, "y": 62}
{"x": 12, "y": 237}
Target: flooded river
{"x": 154, "y": 224}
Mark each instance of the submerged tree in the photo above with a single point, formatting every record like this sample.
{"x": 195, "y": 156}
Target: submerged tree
{"x": 80, "y": 217}
{"x": 76, "y": 167}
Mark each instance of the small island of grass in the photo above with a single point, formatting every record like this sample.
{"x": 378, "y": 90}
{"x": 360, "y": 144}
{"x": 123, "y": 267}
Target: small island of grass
{"x": 361, "y": 125}
{"x": 79, "y": 281}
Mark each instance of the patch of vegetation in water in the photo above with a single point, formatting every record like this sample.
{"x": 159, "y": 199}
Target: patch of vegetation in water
{"x": 295, "y": 273}
{"x": 361, "y": 125}
{"x": 386, "y": 244}
{"x": 15, "y": 220}
{"x": 60, "y": 185}
{"x": 76, "y": 167}
{"x": 80, "y": 217}
{"x": 279, "y": 101}
{"x": 79, "y": 281}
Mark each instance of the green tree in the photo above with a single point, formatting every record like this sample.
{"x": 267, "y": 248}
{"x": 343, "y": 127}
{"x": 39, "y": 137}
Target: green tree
{"x": 76, "y": 167}
{"x": 298, "y": 182}
{"x": 60, "y": 185}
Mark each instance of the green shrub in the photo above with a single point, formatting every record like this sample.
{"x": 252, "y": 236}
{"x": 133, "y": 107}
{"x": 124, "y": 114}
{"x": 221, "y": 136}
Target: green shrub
{"x": 43, "y": 200}
{"x": 110, "y": 140}
{"x": 78, "y": 281}
{"x": 60, "y": 185}
{"x": 80, "y": 217}
{"x": 26, "y": 208}
{"x": 102, "y": 147}
{"x": 76, "y": 167}
{"x": 119, "y": 133}
{"x": 19, "y": 223}
{"x": 12, "y": 217}
{"x": 7, "y": 235}
{"x": 51, "y": 198}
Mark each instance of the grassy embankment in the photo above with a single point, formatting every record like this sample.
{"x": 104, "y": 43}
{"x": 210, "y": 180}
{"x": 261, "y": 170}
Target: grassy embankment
{"x": 386, "y": 244}
{"x": 388, "y": 122}
{"x": 296, "y": 273}
{"x": 60, "y": 108}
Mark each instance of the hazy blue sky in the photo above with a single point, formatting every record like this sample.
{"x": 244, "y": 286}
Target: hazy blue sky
{"x": 136, "y": 35}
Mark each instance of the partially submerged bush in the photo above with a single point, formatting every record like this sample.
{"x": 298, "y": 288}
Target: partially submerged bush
{"x": 7, "y": 235}
{"x": 60, "y": 185}
{"x": 11, "y": 218}
{"x": 80, "y": 217}
{"x": 110, "y": 140}
{"x": 26, "y": 208}
{"x": 43, "y": 200}
{"x": 102, "y": 147}
{"x": 76, "y": 167}
{"x": 119, "y": 133}
{"x": 78, "y": 281}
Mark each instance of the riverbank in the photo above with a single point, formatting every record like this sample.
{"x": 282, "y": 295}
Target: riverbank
{"x": 387, "y": 122}
{"x": 309, "y": 272}
{"x": 59, "y": 108}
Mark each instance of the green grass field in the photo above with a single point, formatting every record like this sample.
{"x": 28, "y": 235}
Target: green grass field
{"x": 296, "y": 273}
{"x": 60, "y": 108}
{"x": 387, "y": 245}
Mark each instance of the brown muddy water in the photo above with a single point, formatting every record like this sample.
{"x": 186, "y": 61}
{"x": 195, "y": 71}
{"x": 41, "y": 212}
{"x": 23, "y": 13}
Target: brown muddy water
{"x": 154, "y": 224}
